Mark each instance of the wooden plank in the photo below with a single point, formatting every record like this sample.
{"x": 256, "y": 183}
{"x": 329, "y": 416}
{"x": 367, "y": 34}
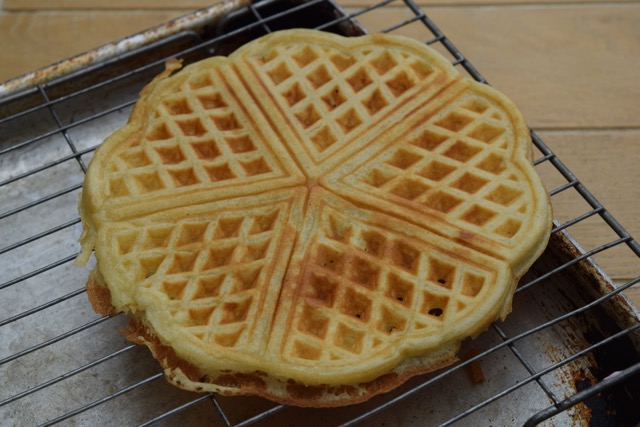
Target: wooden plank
{"x": 634, "y": 295}
{"x": 31, "y": 41}
{"x": 195, "y": 4}
{"x": 565, "y": 67}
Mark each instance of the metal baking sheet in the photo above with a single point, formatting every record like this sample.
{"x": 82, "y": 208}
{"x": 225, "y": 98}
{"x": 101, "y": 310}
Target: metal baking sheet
{"x": 62, "y": 363}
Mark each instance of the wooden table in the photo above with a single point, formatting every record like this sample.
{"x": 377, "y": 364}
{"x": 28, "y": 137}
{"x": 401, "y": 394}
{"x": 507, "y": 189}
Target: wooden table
{"x": 572, "y": 67}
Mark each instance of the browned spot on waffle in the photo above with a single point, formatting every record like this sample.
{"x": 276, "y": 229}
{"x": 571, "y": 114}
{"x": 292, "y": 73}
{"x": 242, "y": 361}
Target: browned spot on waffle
{"x": 99, "y": 295}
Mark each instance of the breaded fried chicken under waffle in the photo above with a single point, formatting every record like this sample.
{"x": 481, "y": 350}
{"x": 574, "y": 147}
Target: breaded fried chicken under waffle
{"x": 313, "y": 219}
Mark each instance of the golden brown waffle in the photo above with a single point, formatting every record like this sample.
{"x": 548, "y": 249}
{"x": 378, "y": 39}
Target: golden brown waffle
{"x": 313, "y": 219}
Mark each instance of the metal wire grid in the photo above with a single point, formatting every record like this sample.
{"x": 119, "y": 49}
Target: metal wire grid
{"x": 43, "y": 103}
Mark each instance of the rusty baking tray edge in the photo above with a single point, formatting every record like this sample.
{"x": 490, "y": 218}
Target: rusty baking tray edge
{"x": 120, "y": 47}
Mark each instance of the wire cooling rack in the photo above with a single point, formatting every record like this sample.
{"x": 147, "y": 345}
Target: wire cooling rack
{"x": 568, "y": 353}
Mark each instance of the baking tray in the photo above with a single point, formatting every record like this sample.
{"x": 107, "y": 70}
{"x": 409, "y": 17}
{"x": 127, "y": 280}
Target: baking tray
{"x": 569, "y": 354}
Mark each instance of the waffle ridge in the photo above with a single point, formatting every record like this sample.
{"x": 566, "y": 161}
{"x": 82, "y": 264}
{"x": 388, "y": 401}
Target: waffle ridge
{"x": 313, "y": 219}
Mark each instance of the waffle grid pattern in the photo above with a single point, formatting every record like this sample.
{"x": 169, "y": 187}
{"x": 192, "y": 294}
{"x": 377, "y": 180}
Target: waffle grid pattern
{"x": 209, "y": 270}
{"x": 457, "y": 164}
{"x": 217, "y": 146}
{"x": 332, "y": 98}
{"x": 368, "y": 284}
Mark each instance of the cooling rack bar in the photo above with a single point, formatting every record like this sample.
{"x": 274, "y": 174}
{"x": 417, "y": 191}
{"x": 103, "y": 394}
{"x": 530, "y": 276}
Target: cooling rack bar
{"x": 175, "y": 410}
{"x": 38, "y": 271}
{"x": 38, "y": 236}
{"x": 63, "y": 128}
{"x": 103, "y": 400}
{"x": 354, "y": 15}
{"x": 66, "y": 375}
{"x": 523, "y": 360}
{"x": 64, "y": 132}
{"x": 261, "y": 416}
{"x": 53, "y": 340}
{"x": 585, "y": 193}
{"x": 42, "y": 168}
{"x": 42, "y": 307}
{"x": 576, "y": 220}
{"x": 448, "y": 44}
{"x": 563, "y": 187}
{"x": 573, "y": 262}
{"x": 29, "y": 205}
{"x": 94, "y": 68}
{"x": 125, "y": 74}
{"x": 220, "y": 412}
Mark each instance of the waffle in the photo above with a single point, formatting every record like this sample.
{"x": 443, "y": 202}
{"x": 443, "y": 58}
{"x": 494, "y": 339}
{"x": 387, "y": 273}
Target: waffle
{"x": 313, "y": 219}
